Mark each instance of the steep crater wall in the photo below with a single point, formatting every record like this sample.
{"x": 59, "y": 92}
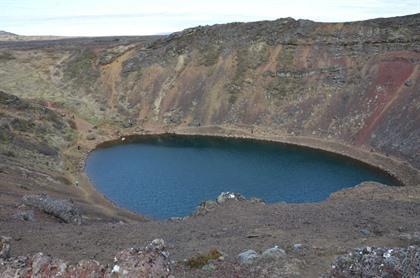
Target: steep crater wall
{"x": 355, "y": 83}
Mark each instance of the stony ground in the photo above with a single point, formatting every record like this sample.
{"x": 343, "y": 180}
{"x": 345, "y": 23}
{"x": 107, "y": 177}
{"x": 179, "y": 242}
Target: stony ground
{"x": 369, "y": 215}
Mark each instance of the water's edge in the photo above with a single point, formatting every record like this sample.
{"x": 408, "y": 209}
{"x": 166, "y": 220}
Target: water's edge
{"x": 402, "y": 171}
{"x": 138, "y": 138}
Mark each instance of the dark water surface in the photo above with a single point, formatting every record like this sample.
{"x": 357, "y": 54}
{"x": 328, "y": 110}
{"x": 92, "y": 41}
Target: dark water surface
{"x": 167, "y": 176}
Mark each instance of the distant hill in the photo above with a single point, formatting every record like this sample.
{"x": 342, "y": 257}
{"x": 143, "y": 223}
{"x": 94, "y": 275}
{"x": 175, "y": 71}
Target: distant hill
{"x": 4, "y": 33}
{"x": 7, "y": 36}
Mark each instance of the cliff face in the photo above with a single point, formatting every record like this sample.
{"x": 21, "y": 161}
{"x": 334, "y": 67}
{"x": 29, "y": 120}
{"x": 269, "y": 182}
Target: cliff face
{"x": 357, "y": 83}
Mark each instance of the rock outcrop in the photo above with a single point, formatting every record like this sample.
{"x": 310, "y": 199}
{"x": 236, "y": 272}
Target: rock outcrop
{"x": 65, "y": 210}
{"x": 151, "y": 261}
{"x": 378, "y": 262}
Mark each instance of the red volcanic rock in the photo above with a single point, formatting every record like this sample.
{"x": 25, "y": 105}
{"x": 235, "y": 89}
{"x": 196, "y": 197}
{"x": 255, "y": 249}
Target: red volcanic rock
{"x": 151, "y": 261}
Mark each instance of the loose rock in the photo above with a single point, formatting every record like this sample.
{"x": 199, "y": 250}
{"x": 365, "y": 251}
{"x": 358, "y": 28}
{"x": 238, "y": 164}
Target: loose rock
{"x": 408, "y": 83}
{"x": 62, "y": 209}
{"x": 4, "y": 247}
{"x": 378, "y": 262}
{"x": 26, "y": 215}
{"x": 209, "y": 267}
{"x": 224, "y": 196}
{"x": 247, "y": 257}
{"x": 151, "y": 261}
{"x": 274, "y": 253}
{"x": 364, "y": 232}
{"x": 297, "y": 247}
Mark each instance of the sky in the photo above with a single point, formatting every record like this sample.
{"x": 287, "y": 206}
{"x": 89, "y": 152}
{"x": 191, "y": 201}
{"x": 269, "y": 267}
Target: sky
{"x": 140, "y": 17}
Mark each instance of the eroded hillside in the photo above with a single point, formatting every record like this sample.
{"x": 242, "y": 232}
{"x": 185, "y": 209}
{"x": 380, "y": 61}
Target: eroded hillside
{"x": 356, "y": 83}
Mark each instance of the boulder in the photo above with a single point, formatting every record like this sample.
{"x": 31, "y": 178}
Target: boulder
{"x": 365, "y": 232}
{"x": 247, "y": 257}
{"x": 225, "y": 196}
{"x": 62, "y": 209}
{"x": 408, "y": 83}
{"x": 274, "y": 253}
{"x": 297, "y": 247}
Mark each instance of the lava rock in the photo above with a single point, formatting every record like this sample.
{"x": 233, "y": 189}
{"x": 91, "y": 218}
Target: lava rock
{"x": 364, "y": 232}
{"x": 297, "y": 247}
{"x": 274, "y": 253}
{"x": 408, "y": 83}
{"x": 378, "y": 262}
{"x": 152, "y": 261}
{"x": 4, "y": 247}
{"x": 62, "y": 209}
{"x": 225, "y": 196}
{"x": 247, "y": 257}
{"x": 26, "y": 215}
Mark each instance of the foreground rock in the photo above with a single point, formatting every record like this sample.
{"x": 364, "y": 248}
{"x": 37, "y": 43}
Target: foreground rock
{"x": 41, "y": 265}
{"x": 62, "y": 209}
{"x": 273, "y": 262}
{"x": 250, "y": 256}
{"x": 411, "y": 238}
{"x": 247, "y": 257}
{"x": 378, "y": 262}
{"x": 274, "y": 253}
{"x": 4, "y": 247}
{"x": 151, "y": 261}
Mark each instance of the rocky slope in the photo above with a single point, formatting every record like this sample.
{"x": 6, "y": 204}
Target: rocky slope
{"x": 350, "y": 82}
{"x": 37, "y": 156}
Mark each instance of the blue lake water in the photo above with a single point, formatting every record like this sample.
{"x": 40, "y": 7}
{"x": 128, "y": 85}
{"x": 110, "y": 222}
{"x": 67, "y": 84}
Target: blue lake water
{"x": 169, "y": 176}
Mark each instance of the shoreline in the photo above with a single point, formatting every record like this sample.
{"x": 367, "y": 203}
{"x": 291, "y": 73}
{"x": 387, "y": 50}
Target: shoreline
{"x": 400, "y": 171}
